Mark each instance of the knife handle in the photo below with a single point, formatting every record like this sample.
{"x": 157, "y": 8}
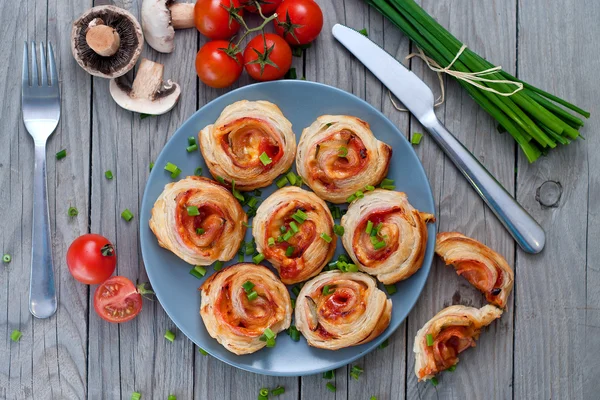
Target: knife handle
{"x": 523, "y": 228}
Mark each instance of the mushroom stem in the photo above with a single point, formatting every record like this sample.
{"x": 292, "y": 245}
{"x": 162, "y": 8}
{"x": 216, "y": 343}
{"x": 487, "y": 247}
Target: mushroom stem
{"x": 103, "y": 39}
{"x": 182, "y": 15}
{"x": 149, "y": 79}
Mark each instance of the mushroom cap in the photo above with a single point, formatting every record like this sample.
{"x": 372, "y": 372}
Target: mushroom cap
{"x": 130, "y": 34}
{"x": 156, "y": 22}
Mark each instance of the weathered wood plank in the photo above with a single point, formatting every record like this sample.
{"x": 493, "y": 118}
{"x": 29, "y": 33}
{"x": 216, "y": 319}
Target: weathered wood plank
{"x": 459, "y": 208}
{"x": 556, "y": 337}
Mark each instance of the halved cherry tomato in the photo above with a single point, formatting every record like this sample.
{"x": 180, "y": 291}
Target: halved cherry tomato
{"x": 214, "y": 18}
{"x": 117, "y": 300}
{"x": 266, "y": 63}
{"x": 91, "y": 259}
{"x": 217, "y": 66}
{"x": 266, "y": 6}
{"x": 299, "y": 21}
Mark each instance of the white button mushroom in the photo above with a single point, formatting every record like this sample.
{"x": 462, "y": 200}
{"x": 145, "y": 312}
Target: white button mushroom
{"x": 160, "y": 18}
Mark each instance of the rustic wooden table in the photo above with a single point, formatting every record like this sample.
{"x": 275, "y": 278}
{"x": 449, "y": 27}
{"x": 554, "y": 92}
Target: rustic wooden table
{"x": 547, "y": 344}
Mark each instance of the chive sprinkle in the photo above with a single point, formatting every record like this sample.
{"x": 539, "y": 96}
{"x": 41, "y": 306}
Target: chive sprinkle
{"x": 191, "y": 148}
{"x": 202, "y": 351}
{"x": 294, "y": 333}
{"x": 193, "y": 211}
{"x": 328, "y": 289}
{"x": 291, "y": 177}
{"x": 300, "y": 215}
{"x": 198, "y": 271}
{"x": 325, "y": 237}
{"x": 416, "y": 138}
{"x": 364, "y": 32}
{"x": 61, "y": 154}
{"x": 452, "y": 368}
{"x": 127, "y": 215}
{"x": 434, "y": 381}
{"x": 329, "y": 374}
{"x": 198, "y": 171}
{"x": 289, "y": 251}
{"x": 258, "y": 258}
{"x": 338, "y": 230}
{"x": 429, "y": 339}
{"x": 330, "y": 386}
{"x": 108, "y": 174}
{"x": 248, "y": 286}
{"x": 15, "y": 336}
{"x": 191, "y": 140}
{"x": 379, "y": 245}
{"x": 342, "y": 151}
{"x": 253, "y": 295}
{"x": 384, "y": 344}
{"x": 263, "y": 392}
{"x": 369, "y": 227}
{"x": 6, "y": 258}
{"x": 220, "y": 179}
{"x": 296, "y": 290}
{"x": 351, "y": 198}
{"x": 271, "y": 242}
{"x": 294, "y": 227}
{"x": 387, "y": 184}
{"x": 200, "y": 231}
{"x": 151, "y": 166}
{"x": 373, "y": 398}
{"x": 170, "y": 336}
{"x": 218, "y": 265}
{"x": 252, "y": 202}
{"x": 72, "y": 212}
{"x": 172, "y": 397}
{"x": 278, "y": 390}
{"x": 369, "y": 188}
{"x": 391, "y": 289}
{"x": 265, "y": 159}
{"x": 136, "y": 395}
{"x": 288, "y": 235}
{"x": 281, "y": 182}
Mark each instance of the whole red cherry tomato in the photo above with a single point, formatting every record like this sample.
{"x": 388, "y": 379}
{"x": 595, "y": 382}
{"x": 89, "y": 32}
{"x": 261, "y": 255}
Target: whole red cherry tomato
{"x": 299, "y": 21}
{"x": 266, "y": 6}
{"x": 91, "y": 259}
{"x": 214, "y": 18}
{"x": 218, "y": 65}
{"x": 261, "y": 52}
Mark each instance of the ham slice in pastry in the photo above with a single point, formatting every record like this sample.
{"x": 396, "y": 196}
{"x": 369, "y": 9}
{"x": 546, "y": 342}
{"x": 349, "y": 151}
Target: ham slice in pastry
{"x": 250, "y": 143}
{"x": 293, "y": 229}
{"x": 198, "y": 220}
{"x": 236, "y": 317}
{"x": 485, "y": 269}
{"x": 449, "y": 332}
{"x": 385, "y": 235}
{"x": 341, "y": 309}
{"x": 338, "y": 155}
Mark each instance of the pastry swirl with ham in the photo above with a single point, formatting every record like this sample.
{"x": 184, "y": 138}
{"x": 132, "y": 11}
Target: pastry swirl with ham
{"x": 198, "y": 220}
{"x": 250, "y": 143}
{"x": 449, "y": 332}
{"x": 293, "y": 229}
{"x": 237, "y": 317}
{"x": 341, "y": 309}
{"x": 385, "y": 235}
{"x": 338, "y": 155}
{"x": 485, "y": 269}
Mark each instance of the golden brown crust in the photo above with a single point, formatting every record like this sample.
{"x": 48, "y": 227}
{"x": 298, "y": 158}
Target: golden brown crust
{"x": 220, "y": 218}
{"x": 236, "y": 321}
{"x": 338, "y": 155}
{"x": 485, "y": 269}
{"x": 232, "y": 146}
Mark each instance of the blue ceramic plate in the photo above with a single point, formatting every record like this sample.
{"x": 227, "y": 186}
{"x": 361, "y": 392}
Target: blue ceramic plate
{"x": 301, "y": 102}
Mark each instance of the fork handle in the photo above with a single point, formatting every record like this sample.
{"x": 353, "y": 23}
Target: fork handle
{"x": 42, "y": 293}
{"x": 523, "y": 228}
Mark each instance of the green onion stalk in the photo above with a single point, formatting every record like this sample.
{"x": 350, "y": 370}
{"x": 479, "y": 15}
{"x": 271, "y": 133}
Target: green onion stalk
{"x": 531, "y": 116}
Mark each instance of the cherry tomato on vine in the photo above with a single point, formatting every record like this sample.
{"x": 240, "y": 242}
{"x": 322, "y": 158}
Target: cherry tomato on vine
{"x": 91, "y": 259}
{"x": 214, "y": 18}
{"x": 266, "y": 6}
{"x": 266, "y": 63}
{"x": 299, "y": 21}
{"x": 217, "y": 64}
{"x": 117, "y": 300}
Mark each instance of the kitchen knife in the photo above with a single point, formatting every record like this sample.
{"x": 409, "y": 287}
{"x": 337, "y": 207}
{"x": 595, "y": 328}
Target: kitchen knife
{"x": 418, "y": 99}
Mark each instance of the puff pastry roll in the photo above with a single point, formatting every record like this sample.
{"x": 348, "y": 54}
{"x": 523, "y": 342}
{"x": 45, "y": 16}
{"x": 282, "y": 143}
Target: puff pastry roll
{"x": 485, "y": 269}
{"x": 385, "y": 235}
{"x": 341, "y": 309}
{"x": 251, "y": 142}
{"x": 293, "y": 229}
{"x": 240, "y": 302}
{"x": 338, "y": 155}
{"x": 449, "y": 332}
{"x": 198, "y": 220}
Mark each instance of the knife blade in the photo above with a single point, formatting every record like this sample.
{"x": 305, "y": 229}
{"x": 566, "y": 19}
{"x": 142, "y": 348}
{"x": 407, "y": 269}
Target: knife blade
{"x": 418, "y": 98}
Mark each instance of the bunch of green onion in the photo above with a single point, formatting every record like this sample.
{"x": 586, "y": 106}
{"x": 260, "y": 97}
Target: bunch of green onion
{"x": 531, "y": 116}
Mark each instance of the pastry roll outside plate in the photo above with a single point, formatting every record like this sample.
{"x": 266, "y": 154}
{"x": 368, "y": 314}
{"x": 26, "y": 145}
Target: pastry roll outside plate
{"x": 341, "y": 309}
{"x": 293, "y": 229}
{"x": 385, "y": 235}
{"x": 338, "y": 155}
{"x": 240, "y": 302}
{"x": 250, "y": 143}
{"x": 449, "y": 332}
{"x": 198, "y": 220}
{"x": 485, "y": 269}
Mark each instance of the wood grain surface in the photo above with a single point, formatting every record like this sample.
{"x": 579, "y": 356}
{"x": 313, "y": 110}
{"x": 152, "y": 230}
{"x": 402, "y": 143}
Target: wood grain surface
{"x": 545, "y": 346}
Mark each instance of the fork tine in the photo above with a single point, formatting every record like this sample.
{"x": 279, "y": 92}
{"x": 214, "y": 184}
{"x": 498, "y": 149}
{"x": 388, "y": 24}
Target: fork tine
{"x": 53, "y": 72}
{"x": 43, "y": 71}
{"x": 34, "y": 70}
{"x": 25, "y": 73}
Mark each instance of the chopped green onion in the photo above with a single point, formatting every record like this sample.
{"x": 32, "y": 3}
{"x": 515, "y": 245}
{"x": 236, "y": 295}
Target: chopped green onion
{"x": 252, "y": 202}
{"x": 249, "y": 248}
{"x": 269, "y": 334}
{"x": 278, "y": 390}
{"x": 172, "y": 397}
{"x": 363, "y": 31}
{"x": 356, "y": 372}
{"x": 258, "y": 258}
{"x": 281, "y": 182}
{"x": 173, "y": 169}
{"x": 352, "y": 268}
{"x": 170, "y": 336}
{"x": 270, "y": 342}
{"x": 108, "y": 174}
{"x": 127, "y": 215}
{"x": 288, "y": 235}
{"x": 452, "y": 368}
{"x": 384, "y": 344}
{"x": 329, "y": 374}
{"x": 369, "y": 227}
{"x": 291, "y": 74}
{"x": 373, "y": 239}
{"x": 191, "y": 140}
{"x": 198, "y": 271}
{"x": 369, "y": 188}
{"x": 297, "y": 51}
{"x": 330, "y": 387}
{"x": 265, "y": 159}
{"x": 294, "y": 333}
{"x": 282, "y": 229}
{"x": 289, "y": 251}
{"x": 359, "y": 194}
{"x": 15, "y": 336}
{"x": 335, "y": 212}
{"x": 298, "y": 181}
{"x": 342, "y": 151}
{"x": 328, "y": 289}
{"x": 202, "y": 351}
{"x": 387, "y": 184}
{"x": 136, "y": 395}
{"x": 193, "y": 211}
{"x": 279, "y": 239}
{"x": 294, "y": 227}
{"x": 325, "y": 237}
{"x": 291, "y": 177}
{"x": 191, "y": 148}
{"x": 271, "y": 242}
{"x": 257, "y": 193}
{"x": 252, "y": 295}
{"x": 72, "y": 212}
{"x": 416, "y": 138}
{"x": 391, "y": 289}
{"x": 198, "y": 171}
{"x": 296, "y": 290}
{"x": 300, "y": 216}
{"x": 434, "y": 381}
{"x": 379, "y": 245}
{"x": 263, "y": 392}
{"x": 373, "y": 398}
{"x": 351, "y": 198}
{"x": 248, "y": 286}
{"x": 151, "y": 166}
{"x": 200, "y": 231}
{"x": 338, "y": 230}
{"x": 218, "y": 265}
{"x": 378, "y": 228}
{"x": 61, "y": 154}
{"x": 241, "y": 258}
{"x": 429, "y": 339}
{"x": 6, "y": 258}
{"x": 220, "y": 180}
{"x": 293, "y": 301}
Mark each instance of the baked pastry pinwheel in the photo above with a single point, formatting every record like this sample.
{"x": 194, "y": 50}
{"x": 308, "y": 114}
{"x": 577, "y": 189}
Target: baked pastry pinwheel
{"x": 485, "y": 269}
{"x": 338, "y": 155}
{"x": 250, "y": 143}
{"x": 198, "y": 220}
{"x": 449, "y": 332}
{"x": 244, "y": 306}
{"x": 293, "y": 229}
{"x": 341, "y": 309}
{"x": 385, "y": 235}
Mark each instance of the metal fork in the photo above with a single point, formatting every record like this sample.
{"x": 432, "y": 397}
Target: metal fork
{"x": 40, "y": 102}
